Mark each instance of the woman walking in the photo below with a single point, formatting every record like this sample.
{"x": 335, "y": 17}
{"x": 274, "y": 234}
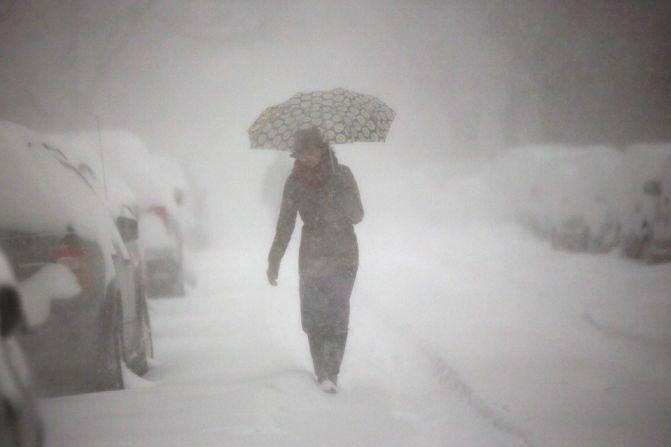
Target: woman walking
{"x": 326, "y": 196}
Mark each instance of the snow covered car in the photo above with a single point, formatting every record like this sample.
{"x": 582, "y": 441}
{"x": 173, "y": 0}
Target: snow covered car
{"x": 657, "y": 246}
{"x": 20, "y": 423}
{"x": 115, "y": 191}
{"x": 576, "y": 234}
{"x": 163, "y": 253}
{"x": 641, "y": 166}
{"x": 561, "y": 193}
{"x": 50, "y": 213}
{"x": 155, "y": 191}
{"x": 637, "y": 224}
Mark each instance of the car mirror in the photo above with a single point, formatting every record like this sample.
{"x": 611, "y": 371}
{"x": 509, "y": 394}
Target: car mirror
{"x": 11, "y": 313}
{"x": 128, "y": 228}
{"x": 652, "y": 188}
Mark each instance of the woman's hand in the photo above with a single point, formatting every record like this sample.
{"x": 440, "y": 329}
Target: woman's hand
{"x": 271, "y": 273}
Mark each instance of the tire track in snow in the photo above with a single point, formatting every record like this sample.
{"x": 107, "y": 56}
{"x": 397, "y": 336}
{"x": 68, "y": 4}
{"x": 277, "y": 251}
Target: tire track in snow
{"x": 449, "y": 376}
{"x": 622, "y": 334}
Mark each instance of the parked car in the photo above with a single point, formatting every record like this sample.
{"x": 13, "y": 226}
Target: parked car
{"x": 637, "y": 223}
{"x": 159, "y": 199}
{"x": 657, "y": 243}
{"x": 115, "y": 191}
{"x": 20, "y": 422}
{"x": 590, "y": 225}
{"x": 562, "y": 194}
{"x": 163, "y": 253}
{"x": 643, "y": 165}
{"x": 50, "y": 213}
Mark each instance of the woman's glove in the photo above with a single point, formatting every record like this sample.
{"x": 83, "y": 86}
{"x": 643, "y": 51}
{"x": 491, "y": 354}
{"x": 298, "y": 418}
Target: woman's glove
{"x": 271, "y": 273}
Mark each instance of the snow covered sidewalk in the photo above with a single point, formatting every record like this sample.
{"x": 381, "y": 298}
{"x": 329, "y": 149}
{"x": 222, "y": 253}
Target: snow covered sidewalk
{"x": 472, "y": 336}
{"x": 233, "y": 368}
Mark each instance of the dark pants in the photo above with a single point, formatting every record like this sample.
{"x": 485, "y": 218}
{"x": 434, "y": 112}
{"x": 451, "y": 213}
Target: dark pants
{"x": 327, "y": 348}
{"x": 325, "y": 318}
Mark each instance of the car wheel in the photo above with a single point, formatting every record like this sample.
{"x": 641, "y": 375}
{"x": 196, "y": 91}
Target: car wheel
{"x": 177, "y": 287}
{"x": 646, "y": 251}
{"x": 141, "y": 365}
{"x": 632, "y": 247}
{"x": 148, "y": 338}
{"x": 109, "y": 373}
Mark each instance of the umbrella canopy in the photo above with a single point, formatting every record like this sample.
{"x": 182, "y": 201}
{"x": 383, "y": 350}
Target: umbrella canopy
{"x": 341, "y": 115}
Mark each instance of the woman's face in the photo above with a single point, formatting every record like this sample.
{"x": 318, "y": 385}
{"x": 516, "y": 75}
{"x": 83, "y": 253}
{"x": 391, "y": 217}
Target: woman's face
{"x": 310, "y": 157}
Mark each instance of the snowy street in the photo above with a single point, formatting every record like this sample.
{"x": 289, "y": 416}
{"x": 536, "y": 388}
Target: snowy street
{"x": 498, "y": 341}
{"x": 473, "y": 196}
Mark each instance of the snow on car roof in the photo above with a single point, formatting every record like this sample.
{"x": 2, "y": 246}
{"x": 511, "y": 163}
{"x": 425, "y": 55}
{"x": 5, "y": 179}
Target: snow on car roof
{"x": 86, "y": 157}
{"x": 41, "y": 192}
{"x": 126, "y": 158}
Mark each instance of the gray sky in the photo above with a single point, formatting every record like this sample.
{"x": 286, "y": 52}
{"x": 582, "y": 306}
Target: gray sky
{"x": 465, "y": 77}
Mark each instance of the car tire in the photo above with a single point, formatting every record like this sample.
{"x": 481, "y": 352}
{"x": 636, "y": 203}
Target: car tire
{"x": 646, "y": 251}
{"x": 141, "y": 364}
{"x": 148, "y": 334}
{"x": 177, "y": 287}
{"x": 109, "y": 371}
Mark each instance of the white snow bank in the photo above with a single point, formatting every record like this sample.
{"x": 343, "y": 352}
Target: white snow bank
{"x": 51, "y": 282}
{"x": 507, "y": 319}
{"x": 554, "y": 183}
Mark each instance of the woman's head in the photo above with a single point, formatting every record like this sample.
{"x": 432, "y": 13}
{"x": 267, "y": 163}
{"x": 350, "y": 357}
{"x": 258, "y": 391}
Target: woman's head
{"x": 309, "y": 146}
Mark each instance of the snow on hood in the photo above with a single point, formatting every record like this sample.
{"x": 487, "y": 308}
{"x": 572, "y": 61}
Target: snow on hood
{"x": 41, "y": 191}
{"x": 24, "y": 200}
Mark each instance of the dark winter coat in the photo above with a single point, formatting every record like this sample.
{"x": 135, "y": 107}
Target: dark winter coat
{"x": 329, "y": 253}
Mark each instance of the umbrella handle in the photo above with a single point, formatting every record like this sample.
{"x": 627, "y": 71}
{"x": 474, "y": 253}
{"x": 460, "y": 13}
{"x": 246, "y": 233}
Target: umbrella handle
{"x": 332, "y": 161}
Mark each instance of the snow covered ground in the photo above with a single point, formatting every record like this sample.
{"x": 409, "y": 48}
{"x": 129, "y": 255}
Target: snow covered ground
{"x": 466, "y": 335}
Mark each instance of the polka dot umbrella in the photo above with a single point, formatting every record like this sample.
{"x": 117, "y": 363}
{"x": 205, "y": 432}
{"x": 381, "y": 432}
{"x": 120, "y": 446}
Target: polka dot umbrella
{"x": 342, "y": 116}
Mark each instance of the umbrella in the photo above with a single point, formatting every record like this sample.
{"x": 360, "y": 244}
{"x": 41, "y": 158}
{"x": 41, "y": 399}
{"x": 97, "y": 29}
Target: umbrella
{"x": 341, "y": 115}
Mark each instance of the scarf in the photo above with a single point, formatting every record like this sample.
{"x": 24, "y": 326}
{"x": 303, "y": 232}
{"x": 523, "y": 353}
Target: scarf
{"x": 315, "y": 177}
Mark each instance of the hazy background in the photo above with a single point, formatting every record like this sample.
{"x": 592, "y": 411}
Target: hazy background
{"x": 467, "y": 79}
{"x": 476, "y": 333}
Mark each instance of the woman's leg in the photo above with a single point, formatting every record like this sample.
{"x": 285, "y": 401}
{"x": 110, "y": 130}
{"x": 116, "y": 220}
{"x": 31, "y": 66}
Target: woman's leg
{"x": 316, "y": 340}
{"x": 334, "y": 350}
{"x": 325, "y": 313}
{"x": 339, "y": 291}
